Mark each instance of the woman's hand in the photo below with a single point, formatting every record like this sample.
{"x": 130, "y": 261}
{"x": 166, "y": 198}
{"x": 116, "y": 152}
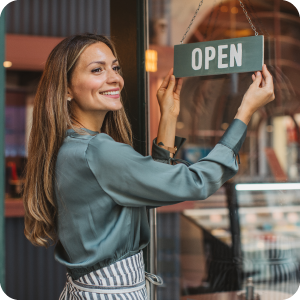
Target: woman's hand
{"x": 260, "y": 92}
{"x": 168, "y": 95}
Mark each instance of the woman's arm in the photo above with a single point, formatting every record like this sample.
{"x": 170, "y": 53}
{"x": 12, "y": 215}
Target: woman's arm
{"x": 134, "y": 180}
{"x": 166, "y": 131}
{"x": 168, "y": 96}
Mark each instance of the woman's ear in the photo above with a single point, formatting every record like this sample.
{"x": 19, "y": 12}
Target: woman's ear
{"x": 69, "y": 95}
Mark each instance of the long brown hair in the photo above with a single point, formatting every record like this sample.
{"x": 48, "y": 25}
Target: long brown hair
{"x": 52, "y": 115}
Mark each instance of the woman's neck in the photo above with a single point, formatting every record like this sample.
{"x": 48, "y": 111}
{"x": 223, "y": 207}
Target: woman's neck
{"x": 83, "y": 127}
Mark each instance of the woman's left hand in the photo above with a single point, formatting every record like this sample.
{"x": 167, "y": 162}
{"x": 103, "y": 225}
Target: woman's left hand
{"x": 168, "y": 95}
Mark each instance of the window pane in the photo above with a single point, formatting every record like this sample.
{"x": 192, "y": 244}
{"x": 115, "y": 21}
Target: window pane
{"x": 244, "y": 235}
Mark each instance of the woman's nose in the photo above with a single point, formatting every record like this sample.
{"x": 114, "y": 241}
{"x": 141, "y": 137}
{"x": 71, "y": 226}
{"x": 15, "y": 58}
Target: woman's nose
{"x": 113, "y": 76}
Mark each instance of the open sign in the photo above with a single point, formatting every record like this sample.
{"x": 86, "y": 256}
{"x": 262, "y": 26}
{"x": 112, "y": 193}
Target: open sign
{"x": 219, "y": 57}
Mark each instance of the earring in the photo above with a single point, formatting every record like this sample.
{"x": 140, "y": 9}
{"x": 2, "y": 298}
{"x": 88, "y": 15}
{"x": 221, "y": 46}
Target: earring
{"x": 69, "y": 98}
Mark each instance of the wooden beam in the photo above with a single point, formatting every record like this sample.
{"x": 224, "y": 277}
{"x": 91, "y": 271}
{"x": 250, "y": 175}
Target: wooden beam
{"x": 14, "y": 208}
{"x": 29, "y": 52}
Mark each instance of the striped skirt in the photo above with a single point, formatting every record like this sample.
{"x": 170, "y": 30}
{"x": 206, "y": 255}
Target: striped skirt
{"x": 124, "y": 279}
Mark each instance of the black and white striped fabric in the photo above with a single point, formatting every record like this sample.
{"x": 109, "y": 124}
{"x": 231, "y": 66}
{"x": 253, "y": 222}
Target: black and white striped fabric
{"x": 124, "y": 280}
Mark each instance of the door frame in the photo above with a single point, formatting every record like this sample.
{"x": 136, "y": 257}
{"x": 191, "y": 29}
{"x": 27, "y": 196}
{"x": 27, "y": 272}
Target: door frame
{"x": 129, "y": 31}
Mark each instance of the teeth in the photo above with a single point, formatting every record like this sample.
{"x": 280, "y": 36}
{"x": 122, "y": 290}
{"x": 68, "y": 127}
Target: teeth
{"x": 111, "y": 93}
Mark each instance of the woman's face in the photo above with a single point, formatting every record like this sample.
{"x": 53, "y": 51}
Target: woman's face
{"x": 96, "y": 83}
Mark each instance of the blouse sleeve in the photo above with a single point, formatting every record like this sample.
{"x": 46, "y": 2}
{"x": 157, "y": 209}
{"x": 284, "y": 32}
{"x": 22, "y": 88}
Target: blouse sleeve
{"x": 134, "y": 180}
{"x": 162, "y": 155}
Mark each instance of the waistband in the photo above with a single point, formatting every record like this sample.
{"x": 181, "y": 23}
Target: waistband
{"x": 79, "y": 272}
{"x": 127, "y": 271}
{"x": 124, "y": 276}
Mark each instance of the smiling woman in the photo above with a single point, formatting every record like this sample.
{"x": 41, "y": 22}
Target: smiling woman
{"x": 79, "y": 96}
{"x": 83, "y": 69}
{"x": 79, "y": 69}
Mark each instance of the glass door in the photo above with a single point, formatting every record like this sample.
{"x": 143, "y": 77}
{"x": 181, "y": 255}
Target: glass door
{"x": 236, "y": 239}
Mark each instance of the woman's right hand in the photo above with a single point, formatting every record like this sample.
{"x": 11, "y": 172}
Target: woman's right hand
{"x": 260, "y": 92}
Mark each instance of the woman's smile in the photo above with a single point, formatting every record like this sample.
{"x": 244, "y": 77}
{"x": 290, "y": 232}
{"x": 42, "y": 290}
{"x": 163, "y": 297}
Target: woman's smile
{"x": 113, "y": 93}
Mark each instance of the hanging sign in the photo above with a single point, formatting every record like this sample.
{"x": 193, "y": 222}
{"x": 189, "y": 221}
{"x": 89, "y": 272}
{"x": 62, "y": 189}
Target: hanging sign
{"x": 219, "y": 57}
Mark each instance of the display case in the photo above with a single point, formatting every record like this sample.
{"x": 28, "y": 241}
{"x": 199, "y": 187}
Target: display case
{"x": 257, "y": 235}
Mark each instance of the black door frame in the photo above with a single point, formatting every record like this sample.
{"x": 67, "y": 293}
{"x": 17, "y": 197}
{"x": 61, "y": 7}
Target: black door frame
{"x": 129, "y": 30}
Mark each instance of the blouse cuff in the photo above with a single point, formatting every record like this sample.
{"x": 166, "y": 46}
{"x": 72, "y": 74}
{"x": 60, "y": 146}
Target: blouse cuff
{"x": 163, "y": 154}
{"x": 234, "y": 136}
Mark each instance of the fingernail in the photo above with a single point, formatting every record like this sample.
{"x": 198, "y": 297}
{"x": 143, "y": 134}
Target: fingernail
{"x": 172, "y": 77}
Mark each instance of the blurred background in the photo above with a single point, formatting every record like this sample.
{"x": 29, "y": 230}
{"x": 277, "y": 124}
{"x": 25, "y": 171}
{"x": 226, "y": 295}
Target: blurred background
{"x": 250, "y": 228}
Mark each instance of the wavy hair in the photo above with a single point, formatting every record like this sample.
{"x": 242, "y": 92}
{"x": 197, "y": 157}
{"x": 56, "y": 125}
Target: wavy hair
{"x": 52, "y": 115}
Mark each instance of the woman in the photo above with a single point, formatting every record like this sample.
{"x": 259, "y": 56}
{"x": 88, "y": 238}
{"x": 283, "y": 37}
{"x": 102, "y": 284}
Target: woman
{"x": 87, "y": 189}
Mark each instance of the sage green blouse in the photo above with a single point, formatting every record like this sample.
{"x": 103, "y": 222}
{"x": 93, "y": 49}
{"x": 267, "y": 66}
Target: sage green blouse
{"x": 103, "y": 188}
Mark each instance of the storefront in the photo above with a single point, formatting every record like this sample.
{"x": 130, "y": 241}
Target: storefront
{"x": 205, "y": 249}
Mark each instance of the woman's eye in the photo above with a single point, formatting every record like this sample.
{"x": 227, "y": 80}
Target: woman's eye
{"x": 96, "y": 70}
{"x": 117, "y": 68}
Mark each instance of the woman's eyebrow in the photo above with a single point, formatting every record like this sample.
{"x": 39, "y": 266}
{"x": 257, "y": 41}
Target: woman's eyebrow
{"x": 101, "y": 62}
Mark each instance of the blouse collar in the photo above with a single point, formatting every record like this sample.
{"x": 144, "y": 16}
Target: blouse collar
{"x": 71, "y": 131}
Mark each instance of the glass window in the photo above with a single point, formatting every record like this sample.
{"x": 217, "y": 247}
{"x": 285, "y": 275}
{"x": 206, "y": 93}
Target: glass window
{"x": 246, "y": 234}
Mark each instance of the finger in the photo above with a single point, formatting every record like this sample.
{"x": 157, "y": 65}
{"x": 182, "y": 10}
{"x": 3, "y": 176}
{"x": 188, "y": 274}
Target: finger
{"x": 175, "y": 86}
{"x": 267, "y": 75}
{"x": 179, "y": 86}
{"x": 176, "y": 82}
{"x": 167, "y": 79}
{"x": 253, "y": 77}
{"x": 171, "y": 85}
{"x": 263, "y": 81}
{"x": 258, "y": 79}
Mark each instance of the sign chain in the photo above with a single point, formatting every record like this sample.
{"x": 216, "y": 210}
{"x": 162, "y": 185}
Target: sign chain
{"x": 188, "y": 29}
{"x": 260, "y": 25}
{"x": 209, "y": 20}
{"x": 220, "y": 4}
{"x": 248, "y": 18}
{"x": 197, "y": 10}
